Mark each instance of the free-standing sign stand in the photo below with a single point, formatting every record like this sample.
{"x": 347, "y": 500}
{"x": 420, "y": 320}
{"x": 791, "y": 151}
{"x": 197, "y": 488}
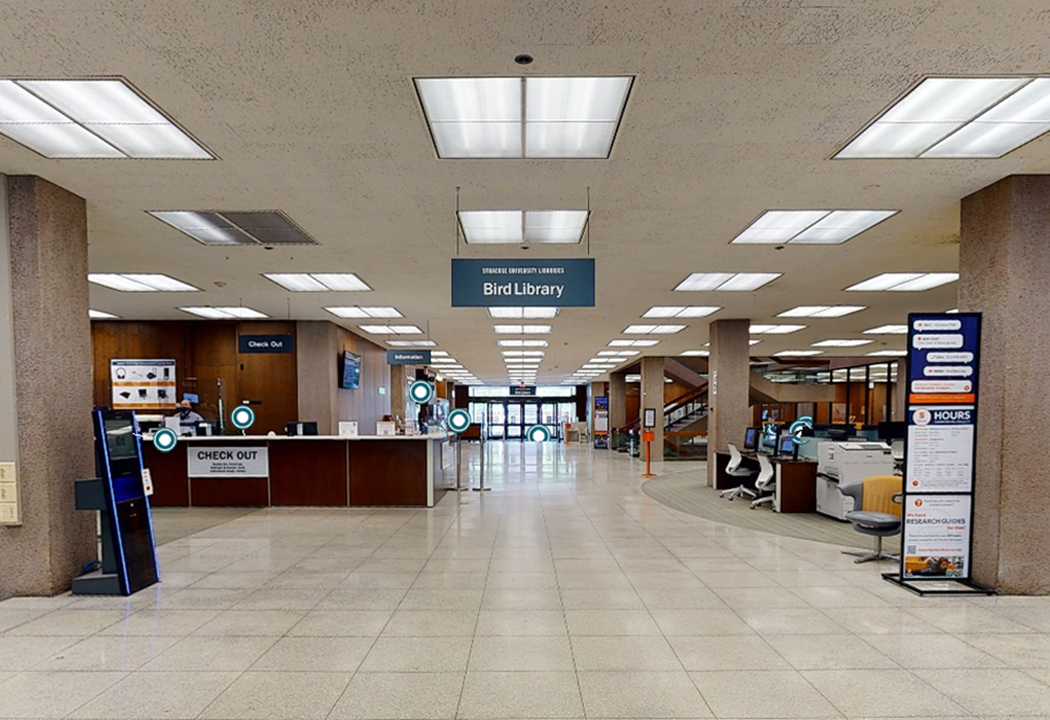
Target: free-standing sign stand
{"x": 648, "y": 435}
{"x": 940, "y": 452}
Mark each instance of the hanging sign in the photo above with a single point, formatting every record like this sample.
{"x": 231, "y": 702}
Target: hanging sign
{"x": 408, "y": 357}
{"x": 522, "y": 390}
{"x": 523, "y": 283}
{"x": 265, "y": 344}
{"x": 942, "y": 376}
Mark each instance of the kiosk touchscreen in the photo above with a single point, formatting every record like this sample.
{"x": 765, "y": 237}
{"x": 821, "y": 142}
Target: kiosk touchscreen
{"x": 126, "y": 507}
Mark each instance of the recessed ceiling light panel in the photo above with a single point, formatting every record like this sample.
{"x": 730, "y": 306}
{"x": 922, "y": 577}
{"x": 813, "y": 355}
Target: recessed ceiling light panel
{"x": 318, "y": 282}
{"x": 904, "y": 282}
{"x": 822, "y": 311}
{"x": 739, "y": 282}
{"x": 140, "y": 282}
{"x": 224, "y": 313}
{"x": 775, "y": 329}
{"x": 887, "y": 330}
{"x": 842, "y": 343}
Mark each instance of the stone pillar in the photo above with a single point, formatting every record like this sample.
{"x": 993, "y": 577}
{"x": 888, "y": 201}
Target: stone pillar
{"x": 729, "y": 375}
{"x": 617, "y": 399}
{"x": 401, "y": 376}
{"x": 317, "y": 368}
{"x": 1004, "y": 264}
{"x": 653, "y": 398}
{"x": 45, "y": 384}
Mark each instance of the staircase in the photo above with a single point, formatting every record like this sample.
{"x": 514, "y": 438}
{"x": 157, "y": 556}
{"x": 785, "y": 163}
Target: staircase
{"x": 685, "y": 427}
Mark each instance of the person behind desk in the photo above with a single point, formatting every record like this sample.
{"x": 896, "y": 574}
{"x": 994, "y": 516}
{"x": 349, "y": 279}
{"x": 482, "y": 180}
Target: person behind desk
{"x": 188, "y": 418}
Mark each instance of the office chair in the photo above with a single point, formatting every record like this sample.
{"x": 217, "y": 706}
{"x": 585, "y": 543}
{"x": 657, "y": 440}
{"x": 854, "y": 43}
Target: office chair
{"x": 765, "y": 484}
{"x": 733, "y": 469}
{"x": 877, "y": 512}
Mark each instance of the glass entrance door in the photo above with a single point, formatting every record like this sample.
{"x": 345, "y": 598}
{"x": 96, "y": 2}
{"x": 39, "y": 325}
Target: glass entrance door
{"x": 497, "y": 420}
{"x": 515, "y": 422}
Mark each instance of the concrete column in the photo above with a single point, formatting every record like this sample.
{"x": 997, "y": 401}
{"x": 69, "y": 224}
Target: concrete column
{"x": 317, "y": 368}
{"x": 653, "y": 398}
{"x": 1004, "y": 263}
{"x": 617, "y": 399}
{"x": 45, "y": 384}
{"x": 729, "y": 374}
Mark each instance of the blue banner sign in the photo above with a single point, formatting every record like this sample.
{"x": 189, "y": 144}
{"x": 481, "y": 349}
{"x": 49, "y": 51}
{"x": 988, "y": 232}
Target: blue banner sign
{"x": 265, "y": 344}
{"x": 407, "y": 357}
{"x": 523, "y": 283}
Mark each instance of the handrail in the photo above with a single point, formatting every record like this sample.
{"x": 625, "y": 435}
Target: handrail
{"x": 680, "y": 401}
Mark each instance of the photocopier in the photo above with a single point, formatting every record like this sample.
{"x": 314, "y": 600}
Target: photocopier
{"x": 845, "y": 462}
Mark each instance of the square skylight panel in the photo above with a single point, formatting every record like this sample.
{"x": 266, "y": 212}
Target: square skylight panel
{"x": 958, "y": 118}
{"x": 775, "y": 329}
{"x": 140, "y": 282}
{"x": 102, "y": 118}
{"x": 484, "y": 118}
{"x": 822, "y": 311}
{"x": 522, "y": 313}
{"x": 887, "y": 330}
{"x": 702, "y": 282}
{"x": 904, "y": 282}
{"x": 318, "y": 282}
{"x": 224, "y": 313}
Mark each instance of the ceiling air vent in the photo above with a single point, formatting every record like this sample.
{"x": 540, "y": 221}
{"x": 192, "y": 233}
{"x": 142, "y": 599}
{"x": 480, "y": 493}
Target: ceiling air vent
{"x": 267, "y": 228}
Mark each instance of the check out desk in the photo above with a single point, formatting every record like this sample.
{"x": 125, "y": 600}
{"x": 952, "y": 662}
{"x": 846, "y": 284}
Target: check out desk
{"x": 796, "y": 482}
{"x": 313, "y": 470}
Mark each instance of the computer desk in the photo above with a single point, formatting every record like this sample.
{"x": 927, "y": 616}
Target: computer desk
{"x": 796, "y": 484}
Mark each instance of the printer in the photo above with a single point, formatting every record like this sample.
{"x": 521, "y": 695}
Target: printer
{"x": 845, "y": 462}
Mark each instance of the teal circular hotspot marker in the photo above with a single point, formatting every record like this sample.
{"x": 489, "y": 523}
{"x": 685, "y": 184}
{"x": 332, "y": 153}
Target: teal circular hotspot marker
{"x": 165, "y": 439}
{"x": 804, "y": 422}
{"x": 421, "y": 391}
{"x": 458, "y": 420}
{"x": 242, "y": 417}
{"x": 538, "y": 433}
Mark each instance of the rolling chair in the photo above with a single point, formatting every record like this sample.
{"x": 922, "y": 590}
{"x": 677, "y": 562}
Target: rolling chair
{"x": 765, "y": 484}
{"x": 733, "y": 469}
{"x": 877, "y": 503}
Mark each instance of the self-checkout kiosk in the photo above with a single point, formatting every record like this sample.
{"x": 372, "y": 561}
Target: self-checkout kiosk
{"x": 120, "y": 495}
{"x": 844, "y": 462}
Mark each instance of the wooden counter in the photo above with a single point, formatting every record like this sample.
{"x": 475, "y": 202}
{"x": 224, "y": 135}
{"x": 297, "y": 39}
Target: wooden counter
{"x": 325, "y": 471}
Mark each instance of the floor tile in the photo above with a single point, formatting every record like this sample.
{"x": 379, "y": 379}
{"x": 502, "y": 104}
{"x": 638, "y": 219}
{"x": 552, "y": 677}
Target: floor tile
{"x": 32, "y": 694}
{"x": 701, "y": 621}
{"x": 601, "y": 599}
{"x": 611, "y": 622}
{"x": 932, "y": 651}
{"x": 861, "y": 693}
{"x": 400, "y": 696}
{"x": 275, "y": 696}
{"x": 23, "y": 652}
{"x": 641, "y": 695}
{"x": 404, "y": 654}
{"x": 217, "y": 653}
{"x": 623, "y": 653}
{"x": 314, "y": 654}
{"x": 765, "y": 694}
{"x": 361, "y": 599}
{"x": 521, "y": 622}
{"x": 995, "y": 693}
{"x": 431, "y": 623}
{"x": 820, "y": 652}
{"x": 160, "y": 694}
{"x": 542, "y": 653}
{"x": 791, "y": 621}
{"x": 342, "y": 623}
{"x": 251, "y": 622}
{"x": 719, "y": 652}
{"x": 102, "y": 653}
{"x": 498, "y": 695}
{"x": 159, "y": 623}
{"x": 76, "y": 623}
{"x": 1023, "y": 652}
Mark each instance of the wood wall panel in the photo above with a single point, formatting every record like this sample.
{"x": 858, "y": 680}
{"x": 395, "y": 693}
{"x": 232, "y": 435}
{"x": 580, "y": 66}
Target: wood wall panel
{"x": 171, "y": 487}
{"x": 381, "y": 475}
{"x": 365, "y": 404}
{"x": 309, "y": 472}
{"x": 204, "y": 351}
{"x": 229, "y": 492}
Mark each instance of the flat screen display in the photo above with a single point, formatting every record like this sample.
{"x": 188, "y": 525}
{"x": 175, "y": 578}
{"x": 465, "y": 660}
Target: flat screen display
{"x": 751, "y": 438}
{"x": 787, "y": 444}
{"x": 351, "y": 375}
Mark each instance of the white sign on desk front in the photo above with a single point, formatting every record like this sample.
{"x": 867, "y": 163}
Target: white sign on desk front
{"x": 227, "y": 461}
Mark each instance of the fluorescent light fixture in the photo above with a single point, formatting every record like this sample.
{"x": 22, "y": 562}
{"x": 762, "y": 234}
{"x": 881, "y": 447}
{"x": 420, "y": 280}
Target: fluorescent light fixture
{"x": 798, "y": 353}
{"x": 80, "y": 119}
{"x": 775, "y": 329}
{"x": 842, "y": 343}
{"x": 888, "y": 330}
{"x": 904, "y": 282}
{"x": 562, "y": 117}
{"x": 953, "y": 311}
{"x": 318, "y": 282}
{"x": 739, "y": 282}
{"x": 633, "y": 343}
{"x": 356, "y": 312}
{"x": 958, "y": 118}
{"x": 619, "y": 353}
{"x": 822, "y": 311}
{"x": 522, "y": 313}
{"x": 522, "y": 329}
{"x": 653, "y": 329}
{"x": 411, "y": 343}
{"x": 224, "y": 313}
{"x": 523, "y": 353}
{"x": 809, "y": 227}
{"x": 236, "y": 227}
{"x": 518, "y": 227}
{"x": 99, "y": 315}
{"x": 439, "y": 353}
{"x": 522, "y": 343}
{"x": 888, "y": 353}
{"x": 679, "y": 311}
{"x": 140, "y": 282}
{"x": 391, "y": 329}
{"x": 751, "y": 341}
{"x": 695, "y": 353}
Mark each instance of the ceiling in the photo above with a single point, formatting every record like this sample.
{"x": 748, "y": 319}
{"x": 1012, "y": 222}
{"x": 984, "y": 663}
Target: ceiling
{"x": 736, "y": 108}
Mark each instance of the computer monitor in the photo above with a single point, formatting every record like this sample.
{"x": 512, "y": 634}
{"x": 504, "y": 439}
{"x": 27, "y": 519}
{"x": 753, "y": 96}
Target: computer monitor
{"x": 892, "y": 431}
{"x": 788, "y": 446}
{"x": 768, "y": 442}
{"x": 300, "y": 428}
{"x": 751, "y": 438}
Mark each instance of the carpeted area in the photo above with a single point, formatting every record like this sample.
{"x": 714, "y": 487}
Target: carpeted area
{"x": 176, "y": 523}
{"x": 681, "y": 486}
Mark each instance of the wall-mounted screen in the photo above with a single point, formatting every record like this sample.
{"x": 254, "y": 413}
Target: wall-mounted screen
{"x": 350, "y": 377}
